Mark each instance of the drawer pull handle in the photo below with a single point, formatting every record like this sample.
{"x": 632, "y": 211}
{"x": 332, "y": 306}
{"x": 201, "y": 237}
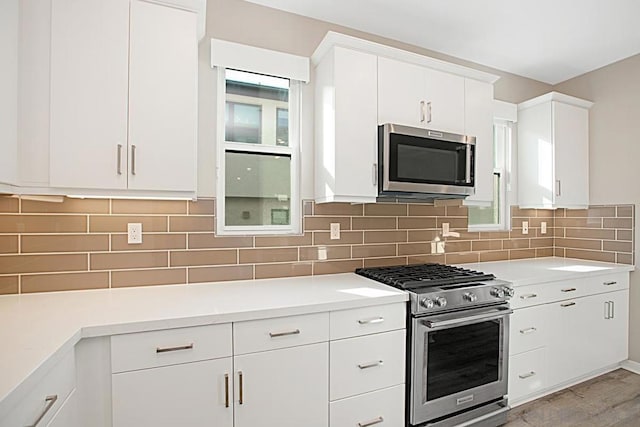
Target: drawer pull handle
{"x": 568, "y": 289}
{"x": 371, "y": 423}
{"x": 370, "y": 364}
{"x": 51, "y": 400}
{"x": 528, "y": 330}
{"x": 610, "y": 283}
{"x": 284, "y": 334}
{"x": 527, "y": 375}
{"x": 226, "y": 390}
{"x": 241, "y": 392}
{"x": 168, "y": 349}
{"x": 567, "y": 304}
{"x": 527, "y": 296}
{"x": 370, "y": 321}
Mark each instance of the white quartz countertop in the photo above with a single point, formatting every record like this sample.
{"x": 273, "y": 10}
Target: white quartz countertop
{"x": 541, "y": 270}
{"x": 37, "y": 329}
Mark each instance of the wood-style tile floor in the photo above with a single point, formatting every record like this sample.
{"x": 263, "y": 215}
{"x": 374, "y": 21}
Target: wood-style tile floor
{"x": 610, "y": 400}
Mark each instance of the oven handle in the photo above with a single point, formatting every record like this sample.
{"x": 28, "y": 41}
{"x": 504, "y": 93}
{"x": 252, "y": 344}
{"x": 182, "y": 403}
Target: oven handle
{"x": 493, "y": 314}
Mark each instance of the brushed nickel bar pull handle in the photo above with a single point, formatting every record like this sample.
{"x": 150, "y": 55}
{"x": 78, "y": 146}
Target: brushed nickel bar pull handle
{"x": 558, "y": 188}
{"x": 422, "y": 112}
{"x": 528, "y": 330}
{"x": 610, "y": 283}
{"x": 568, "y": 290}
{"x": 527, "y": 375}
{"x": 226, "y": 390}
{"x": 371, "y": 423}
{"x": 241, "y": 392}
{"x": 133, "y": 160}
{"x": 429, "y": 115}
{"x": 607, "y": 310}
{"x": 283, "y": 334}
{"x": 375, "y": 174}
{"x": 567, "y": 304}
{"x": 51, "y": 400}
{"x": 613, "y": 313}
{"x": 370, "y": 364}
{"x": 527, "y": 296}
{"x": 370, "y": 321}
{"x": 168, "y": 349}
{"x": 119, "y": 159}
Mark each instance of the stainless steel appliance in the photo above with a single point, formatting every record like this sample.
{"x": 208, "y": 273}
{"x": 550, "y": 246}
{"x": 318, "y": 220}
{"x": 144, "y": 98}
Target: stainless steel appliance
{"x": 423, "y": 163}
{"x": 458, "y": 344}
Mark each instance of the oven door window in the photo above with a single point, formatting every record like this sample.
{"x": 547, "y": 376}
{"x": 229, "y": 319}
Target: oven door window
{"x": 462, "y": 357}
{"x": 428, "y": 161}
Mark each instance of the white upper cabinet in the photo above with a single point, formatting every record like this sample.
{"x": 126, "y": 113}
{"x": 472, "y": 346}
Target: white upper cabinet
{"x": 553, "y": 152}
{"x": 346, "y": 127}
{"x": 478, "y": 122}
{"x": 112, "y": 104}
{"x": 413, "y": 95}
{"x": 9, "y": 10}
{"x": 89, "y": 85}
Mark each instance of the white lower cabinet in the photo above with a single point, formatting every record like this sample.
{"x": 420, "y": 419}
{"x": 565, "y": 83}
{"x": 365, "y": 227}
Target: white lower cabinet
{"x": 383, "y": 408}
{"x": 574, "y": 331}
{"x": 284, "y": 388}
{"x": 189, "y": 394}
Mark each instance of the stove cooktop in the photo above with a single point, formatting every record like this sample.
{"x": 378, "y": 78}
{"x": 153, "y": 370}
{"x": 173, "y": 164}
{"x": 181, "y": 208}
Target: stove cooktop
{"x": 412, "y": 277}
{"x": 437, "y": 287}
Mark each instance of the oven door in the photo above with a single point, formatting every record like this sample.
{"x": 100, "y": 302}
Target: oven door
{"x": 459, "y": 360}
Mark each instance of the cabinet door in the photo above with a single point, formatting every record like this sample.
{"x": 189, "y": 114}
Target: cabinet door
{"x": 571, "y": 143}
{"x": 444, "y": 96}
{"x": 611, "y": 325}
{"x": 89, "y": 68}
{"x": 401, "y": 90}
{"x": 478, "y": 122}
{"x": 163, "y": 86}
{"x": 284, "y": 388}
{"x": 190, "y": 394}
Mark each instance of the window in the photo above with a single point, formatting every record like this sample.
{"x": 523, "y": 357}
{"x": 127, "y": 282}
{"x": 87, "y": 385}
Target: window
{"x": 496, "y": 215}
{"x": 257, "y": 154}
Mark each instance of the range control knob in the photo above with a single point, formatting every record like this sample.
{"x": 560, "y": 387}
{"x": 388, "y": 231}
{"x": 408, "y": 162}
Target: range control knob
{"x": 441, "y": 302}
{"x": 426, "y": 303}
{"x": 509, "y": 292}
{"x": 470, "y": 297}
{"x": 497, "y": 292}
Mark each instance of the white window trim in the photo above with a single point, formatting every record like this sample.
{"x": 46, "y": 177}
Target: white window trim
{"x": 506, "y": 173}
{"x": 295, "y": 213}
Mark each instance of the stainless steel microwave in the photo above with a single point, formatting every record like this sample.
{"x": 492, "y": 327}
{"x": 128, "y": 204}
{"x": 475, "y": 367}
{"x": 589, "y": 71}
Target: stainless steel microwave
{"x": 424, "y": 164}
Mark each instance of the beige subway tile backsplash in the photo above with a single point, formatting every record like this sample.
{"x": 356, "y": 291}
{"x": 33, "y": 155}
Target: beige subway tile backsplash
{"x": 82, "y": 244}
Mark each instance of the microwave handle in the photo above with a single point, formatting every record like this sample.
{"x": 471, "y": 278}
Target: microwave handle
{"x": 375, "y": 174}
{"x": 467, "y": 178}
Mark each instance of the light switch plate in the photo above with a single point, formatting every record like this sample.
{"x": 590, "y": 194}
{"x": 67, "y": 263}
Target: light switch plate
{"x": 543, "y": 227}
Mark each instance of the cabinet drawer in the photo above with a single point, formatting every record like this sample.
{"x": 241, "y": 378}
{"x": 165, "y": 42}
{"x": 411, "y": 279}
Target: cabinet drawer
{"x": 527, "y": 296}
{"x": 169, "y": 347}
{"x": 47, "y": 397}
{"x": 604, "y": 283}
{"x": 528, "y": 329}
{"x": 368, "y": 363}
{"x": 280, "y": 332}
{"x": 383, "y": 408}
{"x": 527, "y": 373}
{"x": 366, "y": 320}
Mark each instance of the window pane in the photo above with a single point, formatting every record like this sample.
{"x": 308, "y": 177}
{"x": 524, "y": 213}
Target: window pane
{"x": 242, "y": 122}
{"x": 257, "y": 189}
{"x": 257, "y": 108}
{"x": 489, "y": 215}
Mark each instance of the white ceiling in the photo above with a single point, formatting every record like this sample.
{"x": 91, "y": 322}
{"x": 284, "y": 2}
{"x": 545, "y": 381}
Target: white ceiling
{"x": 546, "y": 40}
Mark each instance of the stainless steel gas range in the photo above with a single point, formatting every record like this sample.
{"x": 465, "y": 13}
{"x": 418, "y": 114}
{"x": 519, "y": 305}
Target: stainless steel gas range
{"x": 457, "y": 344}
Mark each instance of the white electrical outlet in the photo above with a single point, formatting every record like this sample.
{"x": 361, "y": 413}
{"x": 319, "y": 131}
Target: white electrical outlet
{"x": 445, "y": 228}
{"x": 543, "y": 227}
{"x": 335, "y": 230}
{"x": 525, "y": 227}
{"x": 134, "y": 230}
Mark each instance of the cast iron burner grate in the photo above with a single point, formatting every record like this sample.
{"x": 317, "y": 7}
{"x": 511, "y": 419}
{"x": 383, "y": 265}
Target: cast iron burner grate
{"x": 422, "y": 275}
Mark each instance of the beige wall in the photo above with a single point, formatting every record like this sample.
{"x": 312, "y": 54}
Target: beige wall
{"x": 255, "y": 25}
{"x": 614, "y": 141}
